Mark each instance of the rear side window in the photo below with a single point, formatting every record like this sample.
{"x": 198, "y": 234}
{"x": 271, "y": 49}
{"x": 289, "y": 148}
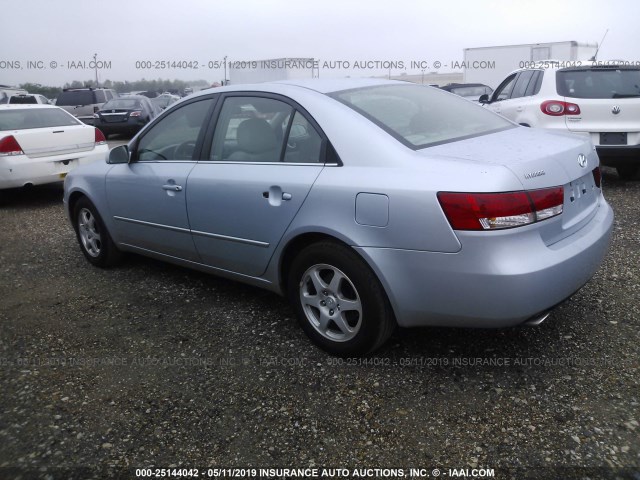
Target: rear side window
{"x": 535, "y": 83}
{"x": 520, "y": 88}
{"x": 421, "y": 116}
{"x": 606, "y": 82}
{"x": 35, "y": 118}
{"x": 99, "y": 96}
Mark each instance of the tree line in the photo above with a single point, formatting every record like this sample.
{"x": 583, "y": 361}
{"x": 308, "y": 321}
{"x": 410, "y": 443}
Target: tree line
{"x": 159, "y": 85}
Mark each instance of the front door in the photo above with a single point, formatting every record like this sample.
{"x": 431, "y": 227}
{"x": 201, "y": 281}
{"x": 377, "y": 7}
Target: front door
{"x": 147, "y": 197}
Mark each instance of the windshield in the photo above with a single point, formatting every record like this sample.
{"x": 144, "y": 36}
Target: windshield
{"x": 421, "y": 116}
{"x": 125, "y": 103}
{"x": 607, "y": 82}
{"x": 19, "y": 119}
{"x": 471, "y": 91}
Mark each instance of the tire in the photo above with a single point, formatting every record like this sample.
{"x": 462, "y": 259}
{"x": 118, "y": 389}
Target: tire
{"x": 345, "y": 315}
{"x": 94, "y": 239}
{"x": 628, "y": 172}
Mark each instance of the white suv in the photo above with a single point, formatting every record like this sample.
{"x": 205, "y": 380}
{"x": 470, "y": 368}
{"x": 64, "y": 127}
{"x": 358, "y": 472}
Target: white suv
{"x": 596, "y": 98}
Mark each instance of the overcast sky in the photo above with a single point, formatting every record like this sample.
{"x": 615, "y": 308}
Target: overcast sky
{"x": 123, "y": 32}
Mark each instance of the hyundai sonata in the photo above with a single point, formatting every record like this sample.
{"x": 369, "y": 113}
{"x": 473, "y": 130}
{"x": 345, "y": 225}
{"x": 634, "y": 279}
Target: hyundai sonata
{"x": 369, "y": 203}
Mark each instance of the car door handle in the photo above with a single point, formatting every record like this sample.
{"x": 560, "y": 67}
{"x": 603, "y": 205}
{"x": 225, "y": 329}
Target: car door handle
{"x": 284, "y": 196}
{"x": 173, "y": 188}
{"x": 519, "y": 109}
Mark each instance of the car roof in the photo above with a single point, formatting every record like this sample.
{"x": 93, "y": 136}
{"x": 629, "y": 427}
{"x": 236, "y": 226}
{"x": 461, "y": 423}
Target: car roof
{"x": 17, "y": 106}
{"x": 327, "y": 85}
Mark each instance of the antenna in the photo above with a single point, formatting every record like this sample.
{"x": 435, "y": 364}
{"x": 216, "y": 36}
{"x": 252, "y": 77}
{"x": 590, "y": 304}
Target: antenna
{"x": 595, "y": 55}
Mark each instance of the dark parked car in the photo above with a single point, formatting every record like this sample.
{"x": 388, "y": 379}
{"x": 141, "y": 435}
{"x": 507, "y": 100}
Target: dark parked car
{"x": 125, "y": 115}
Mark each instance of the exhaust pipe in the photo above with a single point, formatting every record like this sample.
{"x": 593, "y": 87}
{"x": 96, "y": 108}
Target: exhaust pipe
{"x": 537, "y": 320}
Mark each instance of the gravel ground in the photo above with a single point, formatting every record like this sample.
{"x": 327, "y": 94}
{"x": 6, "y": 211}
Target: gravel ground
{"x": 151, "y": 365}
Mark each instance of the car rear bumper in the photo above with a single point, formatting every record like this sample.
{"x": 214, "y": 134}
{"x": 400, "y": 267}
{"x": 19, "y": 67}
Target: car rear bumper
{"x": 616, "y": 156}
{"x": 490, "y": 282}
{"x": 20, "y": 170}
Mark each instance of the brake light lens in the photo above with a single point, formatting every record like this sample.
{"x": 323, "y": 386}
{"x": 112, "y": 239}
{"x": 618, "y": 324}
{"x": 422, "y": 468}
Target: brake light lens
{"x": 495, "y": 211}
{"x": 557, "y": 108}
{"x": 10, "y": 146}
{"x": 135, "y": 113}
{"x": 100, "y": 138}
{"x": 597, "y": 177}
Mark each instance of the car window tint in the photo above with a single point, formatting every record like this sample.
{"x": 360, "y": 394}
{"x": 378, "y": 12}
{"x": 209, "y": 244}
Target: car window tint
{"x": 250, "y": 129}
{"x": 175, "y": 136}
{"x": 521, "y": 84}
{"x": 72, "y": 98}
{"x": 504, "y": 90}
{"x": 304, "y": 144}
{"x": 600, "y": 82}
{"x": 18, "y": 119}
{"x": 99, "y": 96}
{"x": 534, "y": 84}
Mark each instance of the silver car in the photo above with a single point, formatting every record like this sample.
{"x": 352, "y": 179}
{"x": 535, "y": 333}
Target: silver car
{"x": 368, "y": 203}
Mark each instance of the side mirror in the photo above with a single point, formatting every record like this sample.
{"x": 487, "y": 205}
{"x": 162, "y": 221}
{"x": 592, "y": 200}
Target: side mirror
{"x": 119, "y": 154}
{"x": 484, "y": 98}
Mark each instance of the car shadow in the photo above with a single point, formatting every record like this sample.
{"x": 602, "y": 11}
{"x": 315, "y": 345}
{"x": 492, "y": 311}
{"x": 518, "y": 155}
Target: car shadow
{"x": 32, "y": 197}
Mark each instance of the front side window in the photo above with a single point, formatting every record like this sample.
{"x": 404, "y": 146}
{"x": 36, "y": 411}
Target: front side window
{"x": 421, "y": 116}
{"x": 175, "y": 136}
{"x": 504, "y": 90}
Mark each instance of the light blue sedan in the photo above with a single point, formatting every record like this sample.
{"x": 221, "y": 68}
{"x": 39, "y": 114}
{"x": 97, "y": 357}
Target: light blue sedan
{"x": 369, "y": 203}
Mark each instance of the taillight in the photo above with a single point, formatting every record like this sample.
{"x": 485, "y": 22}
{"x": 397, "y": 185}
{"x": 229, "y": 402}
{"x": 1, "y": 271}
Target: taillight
{"x": 135, "y": 113}
{"x": 100, "y": 139}
{"x": 557, "y": 108}
{"x": 597, "y": 176}
{"x": 494, "y": 211}
{"x": 10, "y": 146}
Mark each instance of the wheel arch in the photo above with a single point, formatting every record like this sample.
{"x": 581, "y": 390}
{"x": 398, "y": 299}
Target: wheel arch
{"x": 299, "y": 242}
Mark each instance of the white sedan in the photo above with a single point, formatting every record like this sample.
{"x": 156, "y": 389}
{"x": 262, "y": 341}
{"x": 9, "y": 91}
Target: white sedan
{"x": 42, "y": 143}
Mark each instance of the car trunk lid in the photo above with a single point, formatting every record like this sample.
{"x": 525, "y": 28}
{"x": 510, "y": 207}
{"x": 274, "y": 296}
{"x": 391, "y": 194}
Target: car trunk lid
{"x": 42, "y": 142}
{"x": 539, "y": 159}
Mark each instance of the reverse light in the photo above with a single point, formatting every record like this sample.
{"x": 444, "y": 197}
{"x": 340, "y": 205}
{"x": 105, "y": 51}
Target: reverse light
{"x": 495, "y": 211}
{"x": 100, "y": 138}
{"x": 557, "y": 108}
{"x": 10, "y": 146}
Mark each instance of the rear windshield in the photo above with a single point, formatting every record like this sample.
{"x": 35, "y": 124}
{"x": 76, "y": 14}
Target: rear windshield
{"x": 80, "y": 97}
{"x": 420, "y": 116}
{"x": 607, "y": 82}
{"x": 122, "y": 103}
{"x": 19, "y": 119}
{"x": 23, "y": 99}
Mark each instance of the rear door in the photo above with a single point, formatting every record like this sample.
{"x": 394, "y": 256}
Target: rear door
{"x": 264, "y": 156}
{"x": 147, "y": 197}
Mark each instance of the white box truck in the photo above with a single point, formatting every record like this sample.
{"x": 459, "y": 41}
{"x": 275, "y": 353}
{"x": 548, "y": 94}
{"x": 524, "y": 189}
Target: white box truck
{"x": 490, "y": 65}
{"x": 258, "y": 71}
